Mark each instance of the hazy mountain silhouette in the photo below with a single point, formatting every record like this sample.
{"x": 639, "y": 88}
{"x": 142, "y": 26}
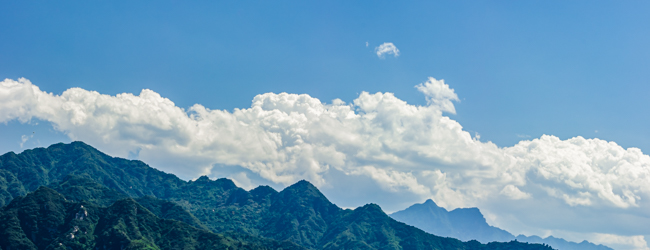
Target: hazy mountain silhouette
{"x": 469, "y": 224}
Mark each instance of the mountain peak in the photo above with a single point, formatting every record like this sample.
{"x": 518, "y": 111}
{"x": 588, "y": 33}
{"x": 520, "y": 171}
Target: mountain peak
{"x": 368, "y": 211}
{"x": 431, "y": 203}
{"x": 470, "y": 215}
{"x": 462, "y": 223}
{"x": 302, "y": 184}
{"x": 203, "y": 178}
{"x": 428, "y": 205}
{"x": 263, "y": 190}
{"x": 371, "y": 207}
{"x": 47, "y": 192}
{"x": 303, "y": 189}
{"x": 221, "y": 183}
{"x": 304, "y": 195}
{"x": 226, "y": 183}
{"x": 79, "y": 144}
{"x": 72, "y": 145}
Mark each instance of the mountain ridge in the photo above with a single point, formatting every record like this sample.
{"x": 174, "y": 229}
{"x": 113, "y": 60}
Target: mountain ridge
{"x": 299, "y": 213}
{"x": 470, "y": 224}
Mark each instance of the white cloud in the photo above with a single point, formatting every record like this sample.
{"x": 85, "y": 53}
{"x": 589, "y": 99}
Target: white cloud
{"x": 586, "y": 170}
{"x": 514, "y": 193}
{"x": 439, "y": 94}
{"x": 636, "y": 242}
{"x": 410, "y": 152}
{"x": 24, "y": 139}
{"x": 387, "y": 49}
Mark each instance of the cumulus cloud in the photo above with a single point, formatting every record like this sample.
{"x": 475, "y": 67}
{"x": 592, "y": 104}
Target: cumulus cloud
{"x": 439, "y": 94}
{"x": 405, "y": 150}
{"x": 514, "y": 193}
{"x": 387, "y": 49}
{"x": 637, "y": 242}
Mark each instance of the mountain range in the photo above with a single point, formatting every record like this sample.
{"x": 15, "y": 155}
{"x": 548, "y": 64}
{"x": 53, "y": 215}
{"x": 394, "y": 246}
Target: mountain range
{"x": 72, "y": 196}
{"x": 470, "y": 224}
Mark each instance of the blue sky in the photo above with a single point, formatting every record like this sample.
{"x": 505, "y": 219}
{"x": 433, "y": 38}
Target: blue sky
{"x": 521, "y": 69}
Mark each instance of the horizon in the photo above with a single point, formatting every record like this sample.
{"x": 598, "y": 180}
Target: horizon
{"x": 390, "y": 214}
{"x": 293, "y": 184}
{"x": 532, "y": 112}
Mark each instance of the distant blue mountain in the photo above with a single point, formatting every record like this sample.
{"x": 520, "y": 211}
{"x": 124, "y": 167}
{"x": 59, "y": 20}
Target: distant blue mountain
{"x": 560, "y": 243}
{"x": 469, "y": 224}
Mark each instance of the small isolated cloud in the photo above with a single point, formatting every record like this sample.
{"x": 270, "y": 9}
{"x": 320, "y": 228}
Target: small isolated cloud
{"x": 367, "y": 44}
{"x": 24, "y": 139}
{"x": 387, "y": 48}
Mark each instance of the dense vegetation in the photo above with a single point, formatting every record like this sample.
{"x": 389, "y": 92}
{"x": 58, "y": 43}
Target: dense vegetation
{"x": 130, "y": 204}
{"x": 469, "y": 223}
{"x": 44, "y": 219}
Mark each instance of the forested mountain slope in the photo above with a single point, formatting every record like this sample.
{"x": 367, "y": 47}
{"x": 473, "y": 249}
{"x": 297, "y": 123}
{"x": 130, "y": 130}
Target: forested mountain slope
{"x": 300, "y": 213}
{"x": 44, "y": 219}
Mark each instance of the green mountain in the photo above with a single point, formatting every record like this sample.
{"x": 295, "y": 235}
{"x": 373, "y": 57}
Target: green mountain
{"x": 45, "y": 219}
{"x": 469, "y": 224}
{"x": 76, "y": 188}
{"x": 159, "y": 203}
{"x": 42, "y": 166}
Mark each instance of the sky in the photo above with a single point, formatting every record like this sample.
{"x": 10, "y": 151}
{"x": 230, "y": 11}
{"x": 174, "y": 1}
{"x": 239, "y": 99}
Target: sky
{"x": 536, "y": 112}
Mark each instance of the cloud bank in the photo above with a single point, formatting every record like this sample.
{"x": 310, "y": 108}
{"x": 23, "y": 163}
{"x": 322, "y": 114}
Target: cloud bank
{"x": 387, "y": 49}
{"x": 539, "y": 185}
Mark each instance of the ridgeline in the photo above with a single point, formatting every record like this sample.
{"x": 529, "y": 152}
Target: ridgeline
{"x": 72, "y": 196}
